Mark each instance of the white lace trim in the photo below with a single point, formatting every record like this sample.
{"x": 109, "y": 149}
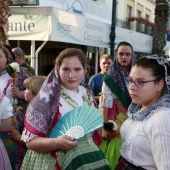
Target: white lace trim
{"x": 27, "y": 136}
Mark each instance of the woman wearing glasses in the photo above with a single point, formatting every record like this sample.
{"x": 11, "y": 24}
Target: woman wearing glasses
{"x": 114, "y": 102}
{"x": 146, "y": 132}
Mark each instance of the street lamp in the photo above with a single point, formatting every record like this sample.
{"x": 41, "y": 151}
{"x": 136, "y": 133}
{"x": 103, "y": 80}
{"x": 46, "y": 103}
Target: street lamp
{"x": 113, "y": 26}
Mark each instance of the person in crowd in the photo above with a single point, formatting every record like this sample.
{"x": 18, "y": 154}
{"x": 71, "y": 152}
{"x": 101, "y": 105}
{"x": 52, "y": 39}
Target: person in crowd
{"x": 6, "y": 78}
{"x": 95, "y": 81}
{"x": 15, "y": 89}
{"x": 32, "y": 85}
{"x": 20, "y": 59}
{"x": 114, "y": 101}
{"x": 5, "y": 125}
{"x": 61, "y": 92}
{"x": 146, "y": 132}
{"x": 10, "y": 76}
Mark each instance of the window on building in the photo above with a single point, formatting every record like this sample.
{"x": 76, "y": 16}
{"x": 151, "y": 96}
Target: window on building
{"x": 147, "y": 16}
{"x": 129, "y": 14}
{"x": 146, "y": 28}
{"x": 139, "y": 13}
{"x": 129, "y": 11}
{"x": 138, "y": 24}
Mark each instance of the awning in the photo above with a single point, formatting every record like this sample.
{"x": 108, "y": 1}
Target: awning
{"x": 52, "y": 24}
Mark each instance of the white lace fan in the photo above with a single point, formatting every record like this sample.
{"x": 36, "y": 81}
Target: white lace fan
{"x": 78, "y": 122}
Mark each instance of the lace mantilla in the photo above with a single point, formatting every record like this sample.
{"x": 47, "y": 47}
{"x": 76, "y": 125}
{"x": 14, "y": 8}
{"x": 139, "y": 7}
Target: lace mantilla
{"x": 162, "y": 61}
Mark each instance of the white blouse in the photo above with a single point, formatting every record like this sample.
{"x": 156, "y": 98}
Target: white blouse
{"x": 147, "y": 143}
{"x": 7, "y": 83}
{"x": 76, "y": 96}
{"x": 6, "y": 109}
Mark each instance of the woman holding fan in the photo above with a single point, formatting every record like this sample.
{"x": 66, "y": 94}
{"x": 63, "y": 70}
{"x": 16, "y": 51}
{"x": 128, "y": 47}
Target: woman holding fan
{"x": 62, "y": 91}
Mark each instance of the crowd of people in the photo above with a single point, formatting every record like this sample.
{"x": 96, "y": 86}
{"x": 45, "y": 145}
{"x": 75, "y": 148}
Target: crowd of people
{"x": 131, "y": 95}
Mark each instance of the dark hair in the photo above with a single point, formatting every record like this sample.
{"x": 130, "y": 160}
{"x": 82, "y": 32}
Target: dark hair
{"x": 71, "y": 52}
{"x": 124, "y": 43}
{"x": 158, "y": 70}
{"x": 11, "y": 57}
{"x": 4, "y": 50}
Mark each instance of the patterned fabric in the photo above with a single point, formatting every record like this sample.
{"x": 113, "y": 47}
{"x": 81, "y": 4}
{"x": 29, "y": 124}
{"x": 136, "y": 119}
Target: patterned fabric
{"x": 135, "y": 113}
{"x": 12, "y": 147}
{"x": 28, "y": 68}
{"x": 5, "y": 86}
{"x": 4, "y": 160}
{"x": 21, "y": 148}
{"x": 125, "y": 165}
{"x": 86, "y": 156}
{"x": 16, "y": 151}
{"x": 9, "y": 144}
{"x": 45, "y": 110}
{"x": 21, "y": 76}
{"x": 5, "y": 112}
{"x": 42, "y": 109}
{"x": 43, "y": 161}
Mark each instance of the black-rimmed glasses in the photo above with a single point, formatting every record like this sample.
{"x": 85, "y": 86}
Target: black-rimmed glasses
{"x": 138, "y": 83}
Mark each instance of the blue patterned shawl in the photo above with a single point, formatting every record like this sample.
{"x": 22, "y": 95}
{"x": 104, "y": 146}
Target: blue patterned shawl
{"x": 135, "y": 113}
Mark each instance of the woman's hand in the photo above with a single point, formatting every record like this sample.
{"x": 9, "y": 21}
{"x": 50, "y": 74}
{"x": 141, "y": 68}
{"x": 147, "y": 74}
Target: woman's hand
{"x": 15, "y": 134}
{"x": 45, "y": 144}
{"x": 67, "y": 143}
{"x": 17, "y": 93}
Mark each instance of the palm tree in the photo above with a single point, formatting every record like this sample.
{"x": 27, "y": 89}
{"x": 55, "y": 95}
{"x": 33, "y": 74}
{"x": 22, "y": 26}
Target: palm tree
{"x": 161, "y": 18}
{"x": 4, "y": 14}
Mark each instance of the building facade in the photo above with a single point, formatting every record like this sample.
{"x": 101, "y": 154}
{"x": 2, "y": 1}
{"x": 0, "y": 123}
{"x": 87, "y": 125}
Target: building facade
{"x": 44, "y": 29}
